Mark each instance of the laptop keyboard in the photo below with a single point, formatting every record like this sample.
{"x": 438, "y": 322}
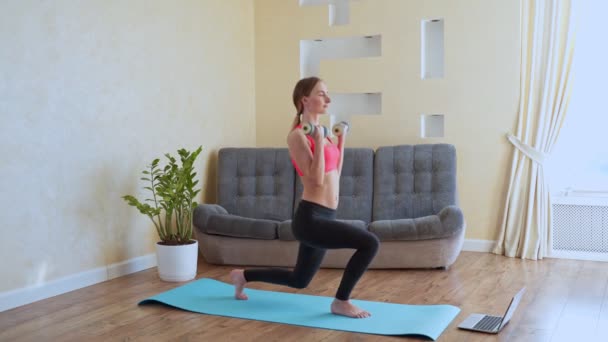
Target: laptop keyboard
{"x": 488, "y": 323}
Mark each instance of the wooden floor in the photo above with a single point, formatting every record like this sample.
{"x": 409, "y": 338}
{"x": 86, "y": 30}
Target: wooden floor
{"x": 566, "y": 300}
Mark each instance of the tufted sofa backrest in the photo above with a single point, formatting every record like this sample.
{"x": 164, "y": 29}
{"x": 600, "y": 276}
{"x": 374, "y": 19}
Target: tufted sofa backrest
{"x": 256, "y": 182}
{"x": 413, "y": 180}
{"x": 404, "y": 181}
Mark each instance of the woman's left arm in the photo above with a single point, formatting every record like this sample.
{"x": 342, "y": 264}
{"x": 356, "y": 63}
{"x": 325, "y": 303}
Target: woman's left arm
{"x": 341, "y": 141}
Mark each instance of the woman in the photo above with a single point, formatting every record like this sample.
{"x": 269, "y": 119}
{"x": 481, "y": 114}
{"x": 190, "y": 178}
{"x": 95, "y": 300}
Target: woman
{"x": 319, "y": 163}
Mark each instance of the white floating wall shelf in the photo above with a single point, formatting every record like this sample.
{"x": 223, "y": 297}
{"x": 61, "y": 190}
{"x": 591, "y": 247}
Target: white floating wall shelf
{"x": 339, "y": 10}
{"x": 344, "y": 105}
{"x": 314, "y": 50}
{"x": 432, "y": 125}
{"x": 432, "y": 48}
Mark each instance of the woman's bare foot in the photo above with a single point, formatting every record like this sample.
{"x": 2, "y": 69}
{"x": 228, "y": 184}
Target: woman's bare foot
{"x": 346, "y": 308}
{"x": 238, "y": 279}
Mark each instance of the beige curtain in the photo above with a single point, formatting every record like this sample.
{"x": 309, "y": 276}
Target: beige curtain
{"x": 546, "y": 57}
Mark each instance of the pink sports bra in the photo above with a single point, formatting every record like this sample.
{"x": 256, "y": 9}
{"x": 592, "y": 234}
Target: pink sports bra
{"x": 331, "y": 153}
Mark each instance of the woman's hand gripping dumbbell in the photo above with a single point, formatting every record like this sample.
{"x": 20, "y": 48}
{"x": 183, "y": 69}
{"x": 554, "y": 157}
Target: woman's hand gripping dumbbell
{"x": 340, "y": 128}
{"x": 309, "y": 129}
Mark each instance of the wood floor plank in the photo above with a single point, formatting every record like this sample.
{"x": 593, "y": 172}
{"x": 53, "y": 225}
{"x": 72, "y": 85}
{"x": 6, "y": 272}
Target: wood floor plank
{"x": 565, "y": 299}
{"x": 580, "y": 316}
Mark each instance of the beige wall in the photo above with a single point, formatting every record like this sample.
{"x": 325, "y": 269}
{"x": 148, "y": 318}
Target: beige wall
{"x": 90, "y": 93}
{"x": 478, "y": 96}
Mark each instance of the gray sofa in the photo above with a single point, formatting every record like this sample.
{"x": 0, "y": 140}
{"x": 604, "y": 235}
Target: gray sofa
{"x": 404, "y": 194}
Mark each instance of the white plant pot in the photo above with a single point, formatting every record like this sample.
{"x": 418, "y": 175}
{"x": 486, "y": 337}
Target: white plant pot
{"x": 177, "y": 263}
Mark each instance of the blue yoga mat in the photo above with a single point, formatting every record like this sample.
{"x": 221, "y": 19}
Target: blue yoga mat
{"x": 213, "y": 297}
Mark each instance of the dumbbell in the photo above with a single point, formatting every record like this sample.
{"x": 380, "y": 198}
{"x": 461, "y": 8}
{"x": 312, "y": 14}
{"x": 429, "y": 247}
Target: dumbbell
{"x": 340, "y": 128}
{"x": 309, "y": 129}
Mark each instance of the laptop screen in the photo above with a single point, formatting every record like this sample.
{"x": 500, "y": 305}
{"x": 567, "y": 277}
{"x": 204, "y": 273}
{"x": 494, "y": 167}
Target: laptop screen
{"x": 511, "y": 309}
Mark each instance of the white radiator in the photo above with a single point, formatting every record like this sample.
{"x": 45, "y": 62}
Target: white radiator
{"x": 580, "y": 227}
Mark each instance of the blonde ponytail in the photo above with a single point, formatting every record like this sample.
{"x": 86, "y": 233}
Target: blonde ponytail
{"x": 296, "y": 122}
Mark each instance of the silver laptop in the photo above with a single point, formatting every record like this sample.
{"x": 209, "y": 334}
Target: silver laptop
{"x": 492, "y": 324}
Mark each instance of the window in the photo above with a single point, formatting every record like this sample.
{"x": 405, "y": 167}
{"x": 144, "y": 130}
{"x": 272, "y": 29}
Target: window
{"x": 579, "y": 161}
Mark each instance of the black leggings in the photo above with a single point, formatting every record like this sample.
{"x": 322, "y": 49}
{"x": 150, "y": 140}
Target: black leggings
{"x": 317, "y": 230}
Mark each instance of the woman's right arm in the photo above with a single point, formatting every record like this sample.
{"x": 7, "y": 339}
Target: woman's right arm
{"x": 311, "y": 165}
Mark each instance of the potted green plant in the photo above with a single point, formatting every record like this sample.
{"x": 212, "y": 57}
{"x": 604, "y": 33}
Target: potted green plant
{"x": 172, "y": 191}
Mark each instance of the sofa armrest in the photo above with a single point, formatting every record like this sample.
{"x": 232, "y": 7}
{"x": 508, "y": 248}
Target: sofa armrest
{"x": 452, "y": 219}
{"x": 448, "y": 222}
{"x": 202, "y": 213}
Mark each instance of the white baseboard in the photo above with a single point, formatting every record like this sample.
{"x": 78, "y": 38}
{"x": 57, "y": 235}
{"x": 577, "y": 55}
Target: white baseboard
{"x": 131, "y": 266}
{"x": 14, "y": 298}
{"x": 473, "y": 245}
{"x": 576, "y": 255}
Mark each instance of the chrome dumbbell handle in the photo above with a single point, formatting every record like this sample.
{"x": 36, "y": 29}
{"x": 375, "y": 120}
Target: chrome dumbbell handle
{"x": 309, "y": 129}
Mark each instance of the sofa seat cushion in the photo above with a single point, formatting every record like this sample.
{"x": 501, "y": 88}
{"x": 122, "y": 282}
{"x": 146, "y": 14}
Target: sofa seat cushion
{"x": 241, "y": 227}
{"x": 447, "y": 223}
{"x": 285, "y": 232}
